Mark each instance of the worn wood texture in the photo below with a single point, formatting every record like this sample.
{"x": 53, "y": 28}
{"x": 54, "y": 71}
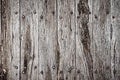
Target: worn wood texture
{"x": 66, "y": 39}
{"x": 29, "y": 39}
{"x": 59, "y": 40}
{"x": 48, "y": 48}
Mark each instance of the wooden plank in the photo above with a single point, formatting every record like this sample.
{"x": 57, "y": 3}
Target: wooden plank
{"x": 93, "y": 39}
{"x": 6, "y": 41}
{"x": 101, "y": 39}
{"x": 0, "y": 24}
{"x": 48, "y": 54}
{"x": 0, "y": 41}
{"x": 29, "y": 39}
{"x": 9, "y": 45}
{"x": 115, "y": 41}
{"x": 15, "y": 40}
{"x": 0, "y": 33}
{"x": 84, "y": 58}
{"x": 66, "y": 39}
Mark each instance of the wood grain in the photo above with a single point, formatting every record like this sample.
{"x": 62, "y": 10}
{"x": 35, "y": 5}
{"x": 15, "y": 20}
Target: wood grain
{"x": 15, "y": 39}
{"x": 48, "y": 40}
{"x": 6, "y": 41}
{"x": 29, "y": 39}
{"x": 115, "y": 56}
{"x": 59, "y": 40}
{"x": 66, "y": 39}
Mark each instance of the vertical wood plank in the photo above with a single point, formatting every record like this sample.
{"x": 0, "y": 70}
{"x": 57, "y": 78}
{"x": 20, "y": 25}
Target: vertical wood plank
{"x": 84, "y": 57}
{"x": 66, "y": 39}
{"x": 0, "y": 24}
{"x": 0, "y": 34}
{"x": 101, "y": 39}
{"x": 6, "y": 40}
{"x": 48, "y": 52}
{"x": 115, "y": 41}
{"x": 0, "y": 39}
{"x": 29, "y": 39}
{"x": 15, "y": 40}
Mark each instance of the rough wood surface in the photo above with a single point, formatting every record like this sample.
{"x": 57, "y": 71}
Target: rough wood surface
{"x": 66, "y": 39}
{"x": 59, "y": 40}
{"x": 29, "y": 39}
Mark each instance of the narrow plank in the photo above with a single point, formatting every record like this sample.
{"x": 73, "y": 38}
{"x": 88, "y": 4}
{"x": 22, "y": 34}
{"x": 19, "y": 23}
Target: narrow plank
{"x": 101, "y": 39}
{"x": 0, "y": 41}
{"x": 0, "y": 24}
{"x": 115, "y": 41}
{"x": 48, "y": 54}
{"x": 0, "y": 32}
{"x": 6, "y": 41}
{"x": 66, "y": 39}
{"x": 29, "y": 39}
{"x": 15, "y": 28}
{"x": 84, "y": 57}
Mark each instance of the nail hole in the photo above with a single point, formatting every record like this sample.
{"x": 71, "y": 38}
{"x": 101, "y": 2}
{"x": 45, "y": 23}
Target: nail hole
{"x": 113, "y": 17}
{"x": 35, "y": 67}
{"x": 41, "y": 72}
{"x": 16, "y": 12}
{"x": 71, "y": 12}
{"x": 53, "y": 66}
{"x": 41, "y": 17}
{"x": 34, "y": 12}
{"x": 23, "y": 17}
{"x": 16, "y": 67}
{"x": 96, "y": 17}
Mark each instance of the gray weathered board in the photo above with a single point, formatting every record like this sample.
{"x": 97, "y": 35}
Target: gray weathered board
{"x": 59, "y": 39}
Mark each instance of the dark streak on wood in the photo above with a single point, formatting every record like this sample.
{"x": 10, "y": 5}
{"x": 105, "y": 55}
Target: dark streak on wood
{"x": 83, "y": 10}
{"x": 83, "y": 7}
{"x": 58, "y": 57}
{"x": 111, "y": 31}
{"x": 27, "y": 49}
{"x": 3, "y": 46}
{"x": 114, "y": 56}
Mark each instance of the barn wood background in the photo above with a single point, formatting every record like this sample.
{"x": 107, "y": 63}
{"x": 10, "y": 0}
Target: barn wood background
{"x": 60, "y": 40}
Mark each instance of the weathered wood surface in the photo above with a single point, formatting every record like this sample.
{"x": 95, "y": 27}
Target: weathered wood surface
{"x": 59, "y": 40}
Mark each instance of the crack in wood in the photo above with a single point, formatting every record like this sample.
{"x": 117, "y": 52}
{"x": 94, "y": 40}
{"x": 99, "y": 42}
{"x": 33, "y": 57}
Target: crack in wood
{"x": 58, "y": 59}
{"x": 27, "y": 50}
{"x": 111, "y": 31}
